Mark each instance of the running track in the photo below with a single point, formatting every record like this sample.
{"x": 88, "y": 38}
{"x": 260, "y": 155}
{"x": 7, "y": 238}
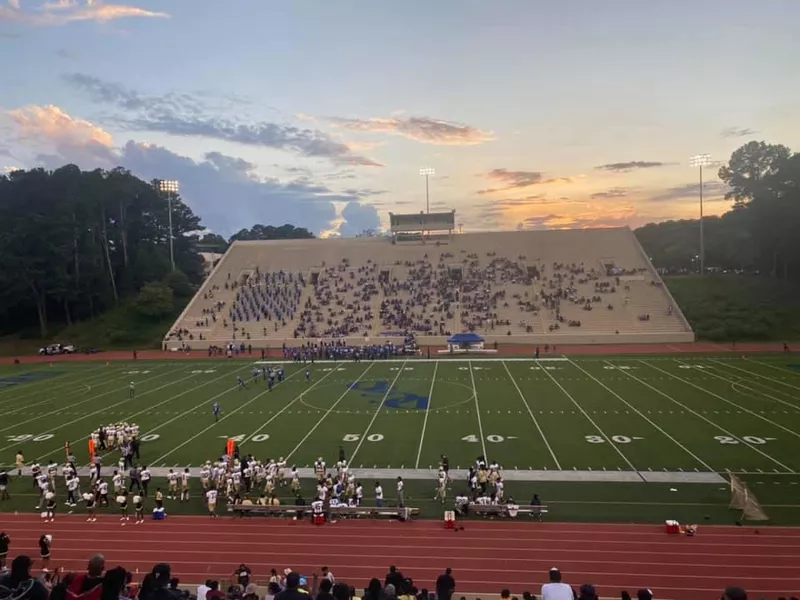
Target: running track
{"x": 485, "y": 556}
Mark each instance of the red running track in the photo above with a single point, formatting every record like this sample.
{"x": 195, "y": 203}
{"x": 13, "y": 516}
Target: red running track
{"x": 485, "y": 556}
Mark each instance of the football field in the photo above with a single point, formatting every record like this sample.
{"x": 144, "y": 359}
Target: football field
{"x": 558, "y": 419}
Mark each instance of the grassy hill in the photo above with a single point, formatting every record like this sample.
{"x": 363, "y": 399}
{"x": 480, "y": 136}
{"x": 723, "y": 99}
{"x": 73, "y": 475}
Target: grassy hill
{"x": 738, "y": 307}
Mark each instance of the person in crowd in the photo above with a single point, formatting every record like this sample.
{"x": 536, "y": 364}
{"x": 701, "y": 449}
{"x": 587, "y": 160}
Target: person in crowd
{"x": 373, "y": 591}
{"x": 587, "y": 592}
{"x": 214, "y": 593}
{"x": 293, "y": 592}
{"x": 156, "y": 584}
{"x": 445, "y": 585}
{"x": 395, "y": 578}
{"x": 273, "y": 589}
{"x": 88, "y": 585}
{"x": 556, "y": 589}
{"x": 20, "y": 584}
{"x": 325, "y": 587}
{"x": 5, "y": 541}
{"x": 203, "y": 589}
{"x": 390, "y": 592}
{"x": 734, "y": 593}
{"x": 114, "y": 584}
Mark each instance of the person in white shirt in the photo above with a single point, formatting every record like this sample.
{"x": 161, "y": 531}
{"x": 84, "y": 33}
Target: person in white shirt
{"x": 328, "y": 575}
{"x": 378, "y": 494}
{"x": 556, "y": 589}
{"x": 401, "y": 494}
{"x": 202, "y": 590}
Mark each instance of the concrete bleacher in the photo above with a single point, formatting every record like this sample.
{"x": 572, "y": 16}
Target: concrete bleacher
{"x": 524, "y": 287}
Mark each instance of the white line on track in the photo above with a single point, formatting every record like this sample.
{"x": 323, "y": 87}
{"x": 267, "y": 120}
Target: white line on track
{"x": 715, "y": 395}
{"x": 427, "y": 412}
{"x": 592, "y": 421}
{"x": 224, "y": 416}
{"x": 706, "y": 419}
{"x": 105, "y": 408}
{"x": 638, "y": 412}
{"x": 329, "y": 411}
{"x": 530, "y": 412}
{"x": 478, "y": 410}
{"x": 377, "y": 412}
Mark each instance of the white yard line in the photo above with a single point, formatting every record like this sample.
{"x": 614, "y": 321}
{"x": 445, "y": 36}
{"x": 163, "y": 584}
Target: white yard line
{"x": 215, "y": 423}
{"x": 478, "y": 411}
{"x": 781, "y": 369}
{"x": 65, "y": 399}
{"x": 746, "y": 383}
{"x": 105, "y": 408}
{"x": 37, "y": 391}
{"x": 592, "y": 421}
{"x": 300, "y": 397}
{"x": 377, "y": 412}
{"x": 794, "y": 387}
{"x": 642, "y": 415}
{"x": 150, "y": 408}
{"x": 88, "y": 415}
{"x": 715, "y": 395}
{"x": 707, "y": 420}
{"x": 427, "y": 412}
{"x": 530, "y": 412}
{"x": 327, "y": 412}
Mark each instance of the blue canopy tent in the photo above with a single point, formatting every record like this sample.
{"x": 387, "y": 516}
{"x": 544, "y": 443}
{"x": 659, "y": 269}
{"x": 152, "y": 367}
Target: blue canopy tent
{"x": 465, "y": 341}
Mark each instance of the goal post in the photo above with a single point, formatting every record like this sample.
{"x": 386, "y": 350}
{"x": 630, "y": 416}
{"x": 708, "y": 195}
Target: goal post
{"x": 743, "y": 499}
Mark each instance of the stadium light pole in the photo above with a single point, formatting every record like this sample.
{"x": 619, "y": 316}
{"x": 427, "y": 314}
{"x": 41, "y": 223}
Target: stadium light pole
{"x": 700, "y": 161}
{"x": 169, "y": 187}
{"x": 427, "y": 172}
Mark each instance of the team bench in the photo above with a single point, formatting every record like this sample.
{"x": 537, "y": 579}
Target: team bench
{"x": 501, "y": 510}
{"x": 336, "y": 512}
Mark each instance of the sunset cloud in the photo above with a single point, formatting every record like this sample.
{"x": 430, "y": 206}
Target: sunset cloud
{"x": 626, "y": 167}
{"x": 615, "y": 192}
{"x": 61, "y": 12}
{"x": 518, "y": 180}
{"x": 420, "y": 129}
{"x": 737, "y": 132}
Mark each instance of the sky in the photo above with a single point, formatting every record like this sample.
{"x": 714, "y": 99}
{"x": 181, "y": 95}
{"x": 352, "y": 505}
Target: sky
{"x": 534, "y": 114}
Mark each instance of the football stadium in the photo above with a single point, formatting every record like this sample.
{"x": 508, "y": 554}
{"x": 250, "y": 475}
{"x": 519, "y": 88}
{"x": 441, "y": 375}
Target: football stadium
{"x": 399, "y": 301}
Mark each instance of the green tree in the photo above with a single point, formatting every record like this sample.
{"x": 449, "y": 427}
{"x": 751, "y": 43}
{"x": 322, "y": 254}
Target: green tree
{"x": 154, "y": 300}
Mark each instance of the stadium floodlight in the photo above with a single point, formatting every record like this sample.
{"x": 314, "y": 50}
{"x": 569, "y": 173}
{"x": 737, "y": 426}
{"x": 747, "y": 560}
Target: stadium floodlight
{"x": 700, "y": 161}
{"x": 426, "y": 173}
{"x": 169, "y": 187}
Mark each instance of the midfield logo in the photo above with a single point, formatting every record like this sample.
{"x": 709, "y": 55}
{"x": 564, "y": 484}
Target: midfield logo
{"x": 396, "y": 399}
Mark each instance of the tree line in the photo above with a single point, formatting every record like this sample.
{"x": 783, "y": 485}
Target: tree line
{"x": 758, "y": 235}
{"x": 74, "y": 244}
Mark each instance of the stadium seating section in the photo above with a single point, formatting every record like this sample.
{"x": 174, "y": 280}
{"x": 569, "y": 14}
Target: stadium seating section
{"x": 527, "y": 287}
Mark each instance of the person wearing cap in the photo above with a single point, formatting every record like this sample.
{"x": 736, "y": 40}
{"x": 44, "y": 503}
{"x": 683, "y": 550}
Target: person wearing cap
{"x": 556, "y": 589}
{"x": 250, "y": 592}
{"x": 20, "y": 583}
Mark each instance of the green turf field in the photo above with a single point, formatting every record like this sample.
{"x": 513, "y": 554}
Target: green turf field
{"x": 616, "y": 420}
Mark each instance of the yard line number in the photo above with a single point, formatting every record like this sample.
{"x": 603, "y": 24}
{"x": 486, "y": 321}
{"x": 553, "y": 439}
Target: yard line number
{"x": 260, "y": 437}
{"x": 354, "y": 437}
{"x": 617, "y": 439}
{"x": 493, "y": 438}
{"x": 749, "y": 439}
{"x": 30, "y": 437}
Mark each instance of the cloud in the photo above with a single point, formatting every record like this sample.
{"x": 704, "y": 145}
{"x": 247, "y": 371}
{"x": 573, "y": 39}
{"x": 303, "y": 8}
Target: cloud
{"x": 737, "y": 132}
{"x": 223, "y": 190}
{"x": 420, "y": 129}
{"x": 625, "y": 167}
{"x": 615, "y": 192}
{"x": 712, "y": 191}
{"x": 62, "y": 12}
{"x": 51, "y": 126}
{"x": 518, "y": 180}
{"x": 185, "y": 115}
{"x": 358, "y": 217}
